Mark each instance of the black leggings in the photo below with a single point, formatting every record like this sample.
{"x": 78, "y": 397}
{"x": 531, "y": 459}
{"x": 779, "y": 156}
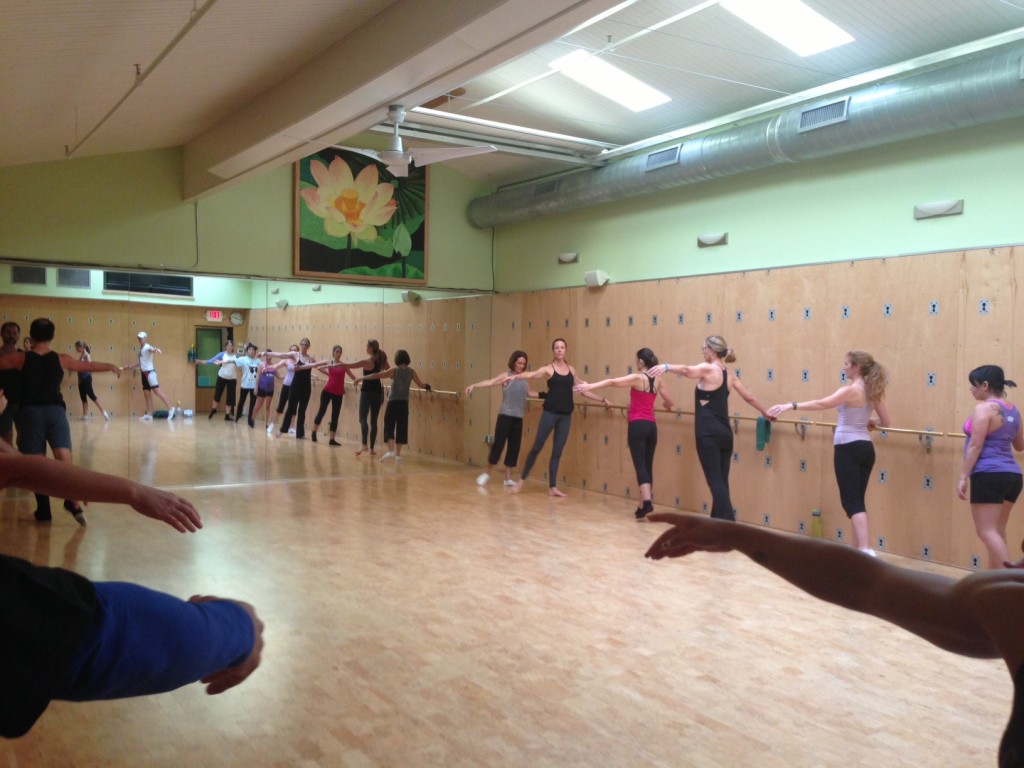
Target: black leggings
{"x": 218, "y": 391}
{"x": 251, "y": 395}
{"x": 642, "y": 437}
{"x": 714, "y": 449}
{"x": 85, "y": 389}
{"x": 507, "y": 428}
{"x": 335, "y": 402}
{"x": 560, "y": 423}
{"x": 369, "y": 411}
{"x": 853, "y": 462}
{"x": 298, "y": 399}
{"x": 282, "y": 403}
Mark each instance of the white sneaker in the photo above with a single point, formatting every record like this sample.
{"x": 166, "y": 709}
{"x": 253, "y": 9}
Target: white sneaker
{"x": 146, "y": 417}
{"x": 106, "y": 415}
{"x": 84, "y": 418}
{"x": 387, "y": 455}
{"x": 869, "y": 552}
{"x": 482, "y": 478}
{"x": 291, "y": 431}
{"x": 270, "y": 429}
{"x": 397, "y": 457}
{"x": 170, "y": 413}
{"x": 510, "y": 483}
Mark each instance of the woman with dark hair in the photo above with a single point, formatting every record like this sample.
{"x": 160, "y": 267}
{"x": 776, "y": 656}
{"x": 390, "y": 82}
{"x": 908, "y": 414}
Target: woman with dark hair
{"x": 854, "y": 455}
{"x": 85, "y": 390}
{"x": 43, "y": 419}
{"x": 711, "y": 417}
{"x": 642, "y": 432}
{"x": 286, "y": 385}
{"x": 333, "y": 392}
{"x": 396, "y": 415}
{"x": 993, "y": 432}
{"x": 557, "y": 414}
{"x": 371, "y": 395}
{"x": 509, "y": 426}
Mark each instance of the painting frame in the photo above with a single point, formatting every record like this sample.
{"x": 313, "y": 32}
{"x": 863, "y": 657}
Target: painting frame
{"x": 356, "y": 222}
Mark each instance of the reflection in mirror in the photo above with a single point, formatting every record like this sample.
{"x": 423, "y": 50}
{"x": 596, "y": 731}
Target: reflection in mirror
{"x": 189, "y": 320}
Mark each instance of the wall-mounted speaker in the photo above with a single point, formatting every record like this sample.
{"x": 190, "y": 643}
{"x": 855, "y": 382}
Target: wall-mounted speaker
{"x": 410, "y": 297}
{"x": 595, "y": 278}
{"x": 938, "y": 208}
{"x": 281, "y": 303}
{"x": 568, "y": 257}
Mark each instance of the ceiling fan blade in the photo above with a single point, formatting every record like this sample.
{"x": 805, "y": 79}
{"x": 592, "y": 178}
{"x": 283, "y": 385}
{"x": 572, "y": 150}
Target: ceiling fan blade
{"x": 398, "y": 171}
{"x": 440, "y": 154}
{"x": 370, "y": 153}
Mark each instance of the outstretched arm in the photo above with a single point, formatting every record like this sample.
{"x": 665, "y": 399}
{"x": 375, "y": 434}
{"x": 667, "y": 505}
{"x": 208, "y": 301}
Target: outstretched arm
{"x": 842, "y": 395}
{"x": 501, "y": 377}
{"x": 69, "y": 363}
{"x": 688, "y": 371}
{"x": 420, "y": 384}
{"x": 621, "y": 381}
{"x": 941, "y": 610}
{"x": 37, "y": 473}
{"x": 748, "y": 396}
{"x": 385, "y": 374}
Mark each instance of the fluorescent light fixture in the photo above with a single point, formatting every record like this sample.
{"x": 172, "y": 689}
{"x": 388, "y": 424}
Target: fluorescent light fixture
{"x": 609, "y": 81}
{"x": 791, "y": 23}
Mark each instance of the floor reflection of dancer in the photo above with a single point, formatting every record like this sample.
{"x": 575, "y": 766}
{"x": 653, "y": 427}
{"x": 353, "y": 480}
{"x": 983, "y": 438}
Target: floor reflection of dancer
{"x": 85, "y": 390}
{"x": 854, "y": 455}
{"x": 509, "y": 426}
{"x": 557, "y": 413}
{"x": 42, "y": 419}
{"x": 711, "y": 421}
{"x": 642, "y": 432}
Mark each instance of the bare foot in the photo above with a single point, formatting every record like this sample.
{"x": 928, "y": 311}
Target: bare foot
{"x": 361, "y": 451}
{"x": 555, "y": 492}
{"x": 517, "y": 487}
{"x": 373, "y": 452}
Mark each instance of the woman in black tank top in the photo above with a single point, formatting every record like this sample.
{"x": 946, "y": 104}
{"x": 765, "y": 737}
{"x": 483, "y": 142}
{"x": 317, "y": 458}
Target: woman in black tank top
{"x": 557, "y": 414}
{"x": 979, "y": 615}
{"x": 711, "y": 417}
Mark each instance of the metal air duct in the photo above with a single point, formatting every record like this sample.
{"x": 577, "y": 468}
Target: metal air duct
{"x": 974, "y": 92}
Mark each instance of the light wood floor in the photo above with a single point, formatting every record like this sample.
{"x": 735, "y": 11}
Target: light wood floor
{"x": 414, "y": 619}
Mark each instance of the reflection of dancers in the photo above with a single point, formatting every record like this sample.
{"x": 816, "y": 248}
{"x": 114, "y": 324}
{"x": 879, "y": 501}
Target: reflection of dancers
{"x": 248, "y": 366}
{"x": 77, "y": 640}
{"x": 85, "y": 390}
{"x": 227, "y": 379}
{"x": 557, "y": 414}
{"x": 979, "y": 615}
{"x": 854, "y": 452}
{"x": 333, "y": 392}
{"x": 150, "y": 383}
{"x": 10, "y": 381}
{"x": 300, "y": 391}
{"x": 371, "y": 396}
{"x": 286, "y": 385}
{"x": 994, "y": 431}
{"x": 642, "y": 433}
{"x": 711, "y": 422}
{"x": 509, "y": 426}
{"x": 266, "y": 379}
{"x": 43, "y": 419}
{"x": 396, "y": 415}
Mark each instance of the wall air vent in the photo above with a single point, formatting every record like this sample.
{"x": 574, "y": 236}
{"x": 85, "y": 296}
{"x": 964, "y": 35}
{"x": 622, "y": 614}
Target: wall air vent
{"x": 663, "y": 157}
{"x": 28, "y": 275}
{"x": 545, "y": 188}
{"x": 73, "y": 278}
{"x": 148, "y": 282}
{"x": 825, "y": 114}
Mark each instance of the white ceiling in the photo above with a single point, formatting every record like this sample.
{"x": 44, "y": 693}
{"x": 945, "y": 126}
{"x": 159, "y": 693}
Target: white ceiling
{"x": 251, "y": 78}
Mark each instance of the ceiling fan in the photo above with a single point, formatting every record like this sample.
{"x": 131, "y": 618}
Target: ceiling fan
{"x": 397, "y": 158}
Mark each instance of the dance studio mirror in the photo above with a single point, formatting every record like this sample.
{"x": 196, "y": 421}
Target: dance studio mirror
{"x": 104, "y": 311}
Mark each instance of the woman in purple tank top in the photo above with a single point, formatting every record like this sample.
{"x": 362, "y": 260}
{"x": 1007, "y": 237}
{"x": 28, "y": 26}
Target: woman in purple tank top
{"x": 993, "y": 434}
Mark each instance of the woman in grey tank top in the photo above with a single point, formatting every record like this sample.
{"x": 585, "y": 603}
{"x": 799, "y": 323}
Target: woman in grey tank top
{"x": 396, "y": 414}
{"x": 509, "y": 426}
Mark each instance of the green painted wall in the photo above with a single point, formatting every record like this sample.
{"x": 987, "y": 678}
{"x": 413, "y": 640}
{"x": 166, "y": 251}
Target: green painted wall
{"x": 854, "y": 206}
{"x": 125, "y": 211}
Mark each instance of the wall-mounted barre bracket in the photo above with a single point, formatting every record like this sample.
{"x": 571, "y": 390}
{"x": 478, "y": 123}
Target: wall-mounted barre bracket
{"x": 735, "y": 425}
{"x": 801, "y": 429}
{"x": 926, "y": 441}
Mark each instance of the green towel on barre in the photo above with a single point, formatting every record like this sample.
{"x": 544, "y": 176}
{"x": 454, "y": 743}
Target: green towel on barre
{"x": 764, "y": 432}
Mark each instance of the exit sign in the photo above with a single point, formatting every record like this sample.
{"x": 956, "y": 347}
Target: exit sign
{"x": 214, "y": 316}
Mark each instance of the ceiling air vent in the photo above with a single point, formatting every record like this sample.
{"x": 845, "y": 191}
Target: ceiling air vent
{"x": 827, "y": 114}
{"x": 663, "y": 157}
{"x": 545, "y": 188}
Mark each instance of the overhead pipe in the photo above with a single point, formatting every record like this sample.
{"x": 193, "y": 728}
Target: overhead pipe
{"x": 974, "y": 92}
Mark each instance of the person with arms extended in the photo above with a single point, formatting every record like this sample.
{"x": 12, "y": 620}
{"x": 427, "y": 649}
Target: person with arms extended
{"x": 642, "y": 432}
{"x": 980, "y": 615}
{"x": 854, "y": 456}
{"x": 78, "y": 640}
{"x": 711, "y": 417}
{"x": 150, "y": 382}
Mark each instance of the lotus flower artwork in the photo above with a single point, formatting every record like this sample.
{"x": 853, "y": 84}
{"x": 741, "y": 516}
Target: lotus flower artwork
{"x": 355, "y": 220}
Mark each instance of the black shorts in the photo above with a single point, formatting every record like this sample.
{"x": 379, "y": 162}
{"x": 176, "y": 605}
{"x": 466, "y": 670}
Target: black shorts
{"x": 995, "y": 487}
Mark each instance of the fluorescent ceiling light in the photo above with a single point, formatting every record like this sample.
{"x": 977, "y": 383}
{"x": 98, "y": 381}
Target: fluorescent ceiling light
{"x": 609, "y": 81}
{"x": 791, "y": 23}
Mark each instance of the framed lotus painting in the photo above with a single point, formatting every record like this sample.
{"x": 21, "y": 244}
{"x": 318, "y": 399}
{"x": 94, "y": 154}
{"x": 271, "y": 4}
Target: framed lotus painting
{"x": 355, "y": 221}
